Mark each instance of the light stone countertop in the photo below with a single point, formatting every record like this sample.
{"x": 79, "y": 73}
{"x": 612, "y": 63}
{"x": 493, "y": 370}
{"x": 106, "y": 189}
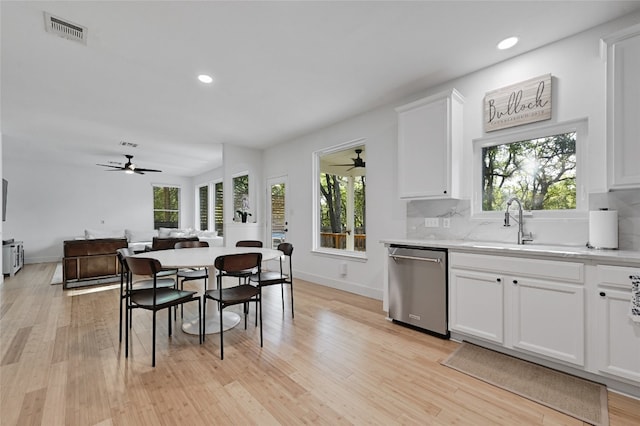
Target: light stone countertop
{"x": 556, "y": 252}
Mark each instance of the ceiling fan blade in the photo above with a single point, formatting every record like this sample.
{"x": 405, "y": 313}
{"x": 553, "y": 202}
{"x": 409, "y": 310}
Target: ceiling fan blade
{"x": 146, "y": 170}
{"x": 138, "y": 172}
{"x": 343, "y": 165}
{"x": 109, "y": 165}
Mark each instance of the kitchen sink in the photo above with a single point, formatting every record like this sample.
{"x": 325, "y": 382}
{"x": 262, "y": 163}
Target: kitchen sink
{"x": 540, "y": 248}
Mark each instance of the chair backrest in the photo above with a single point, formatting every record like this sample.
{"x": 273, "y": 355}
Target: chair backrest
{"x": 238, "y": 262}
{"x": 143, "y": 265}
{"x": 122, "y": 254}
{"x": 286, "y": 248}
{"x": 249, "y": 243}
{"x": 169, "y": 242}
{"x": 191, "y": 244}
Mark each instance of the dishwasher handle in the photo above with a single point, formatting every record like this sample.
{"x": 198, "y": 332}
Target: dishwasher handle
{"x": 395, "y": 257}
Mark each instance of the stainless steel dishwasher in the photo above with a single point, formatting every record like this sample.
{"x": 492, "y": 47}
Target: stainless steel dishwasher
{"x": 418, "y": 288}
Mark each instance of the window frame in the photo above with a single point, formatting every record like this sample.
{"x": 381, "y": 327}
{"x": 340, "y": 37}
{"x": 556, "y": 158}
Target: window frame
{"x": 579, "y": 126}
{"x": 233, "y": 194}
{"x": 198, "y": 205}
{"x": 214, "y": 207}
{"x": 315, "y": 191}
{"x": 153, "y": 207}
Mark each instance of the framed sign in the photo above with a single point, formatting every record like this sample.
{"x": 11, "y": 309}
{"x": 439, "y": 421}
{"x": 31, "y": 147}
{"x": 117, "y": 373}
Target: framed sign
{"x": 521, "y": 103}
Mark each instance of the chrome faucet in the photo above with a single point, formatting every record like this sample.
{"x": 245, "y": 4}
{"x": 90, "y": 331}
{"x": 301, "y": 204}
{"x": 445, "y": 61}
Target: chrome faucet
{"x": 522, "y": 237}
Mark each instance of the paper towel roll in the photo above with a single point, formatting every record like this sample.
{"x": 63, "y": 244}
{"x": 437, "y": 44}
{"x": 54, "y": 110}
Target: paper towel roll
{"x": 603, "y": 229}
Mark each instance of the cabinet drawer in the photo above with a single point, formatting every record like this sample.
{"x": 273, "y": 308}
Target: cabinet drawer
{"x": 616, "y": 276}
{"x": 537, "y": 268}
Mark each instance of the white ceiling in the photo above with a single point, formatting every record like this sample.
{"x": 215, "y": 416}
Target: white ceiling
{"x": 281, "y": 69}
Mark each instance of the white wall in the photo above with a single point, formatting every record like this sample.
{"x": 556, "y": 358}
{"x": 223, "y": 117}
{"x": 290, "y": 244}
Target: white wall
{"x": 578, "y": 91}
{"x": 237, "y": 161}
{"x": 49, "y": 203}
{"x": 385, "y": 213}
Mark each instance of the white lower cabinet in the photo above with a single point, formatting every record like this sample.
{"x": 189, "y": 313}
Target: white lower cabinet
{"x": 526, "y": 304}
{"x": 478, "y": 304}
{"x": 617, "y": 337}
{"x": 547, "y": 318}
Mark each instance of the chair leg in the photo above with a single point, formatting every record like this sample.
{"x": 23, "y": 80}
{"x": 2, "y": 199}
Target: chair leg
{"x": 169, "y": 318}
{"x": 121, "y": 302}
{"x": 260, "y": 309}
{"x": 126, "y": 328}
{"x": 203, "y": 317}
{"x": 221, "y": 338}
{"x": 200, "y": 329}
{"x": 153, "y": 347}
{"x": 291, "y": 290}
{"x": 282, "y": 294}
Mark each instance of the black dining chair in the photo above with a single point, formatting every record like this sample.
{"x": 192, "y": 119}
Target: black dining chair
{"x": 283, "y": 277}
{"x": 246, "y": 274}
{"x": 155, "y": 298}
{"x": 127, "y": 286}
{"x": 240, "y": 294}
{"x": 191, "y": 274}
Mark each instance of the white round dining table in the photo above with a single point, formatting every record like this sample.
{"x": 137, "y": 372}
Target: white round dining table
{"x": 201, "y": 257}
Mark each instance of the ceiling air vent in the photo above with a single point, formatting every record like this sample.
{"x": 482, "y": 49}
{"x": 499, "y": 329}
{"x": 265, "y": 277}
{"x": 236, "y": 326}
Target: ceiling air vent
{"x": 65, "y": 29}
{"x": 129, "y": 144}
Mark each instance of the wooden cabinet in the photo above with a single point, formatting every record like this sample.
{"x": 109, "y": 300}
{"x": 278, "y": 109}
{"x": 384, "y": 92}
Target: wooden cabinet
{"x": 532, "y": 305}
{"x": 623, "y": 108}
{"x": 430, "y": 147}
{"x": 617, "y": 337}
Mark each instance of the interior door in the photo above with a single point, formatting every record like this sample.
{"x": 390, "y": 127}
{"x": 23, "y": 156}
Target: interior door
{"x": 278, "y": 224}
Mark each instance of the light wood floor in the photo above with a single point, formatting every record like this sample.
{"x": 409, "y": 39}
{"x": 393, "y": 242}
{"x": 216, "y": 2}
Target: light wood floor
{"x": 338, "y": 362}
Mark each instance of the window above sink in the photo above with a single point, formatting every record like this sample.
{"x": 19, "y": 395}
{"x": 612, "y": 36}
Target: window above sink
{"x": 541, "y": 165}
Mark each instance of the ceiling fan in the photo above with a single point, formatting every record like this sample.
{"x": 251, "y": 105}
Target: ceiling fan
{"x": 128, "y": 167}
{"x": 357, "y": 162}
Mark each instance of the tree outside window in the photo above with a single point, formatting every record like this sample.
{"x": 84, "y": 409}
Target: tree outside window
{"x": 342, "y": 202}
{"x": 203, "y": 207}
{"x": 166, "y": 207}
{"x": 218, "y": 213}
{"x": 241, "y": 196}
{"x": 541, "y": 172}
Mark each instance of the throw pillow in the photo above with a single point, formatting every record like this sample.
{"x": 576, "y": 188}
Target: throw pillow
{"x": 92, "y": 234}
{"x": 140, "y": 236}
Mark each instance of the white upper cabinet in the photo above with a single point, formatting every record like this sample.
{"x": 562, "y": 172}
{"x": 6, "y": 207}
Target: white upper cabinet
{"x": 430, "y": 147}
{"x": 623, "y": 108}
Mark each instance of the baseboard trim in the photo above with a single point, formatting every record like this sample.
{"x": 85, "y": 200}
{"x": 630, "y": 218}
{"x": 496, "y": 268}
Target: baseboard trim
{"x": 340, "y": 285}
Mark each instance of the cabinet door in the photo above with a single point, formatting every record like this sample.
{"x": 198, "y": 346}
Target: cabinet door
{"x": 476, "y": 304}
{"x": 422, "y": 150}
{"x": 623, "y": 108}
{"x": 548, "y": 318}
{"x": 618, "y": 336}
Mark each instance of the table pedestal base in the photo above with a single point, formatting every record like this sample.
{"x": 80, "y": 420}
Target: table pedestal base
{"x": 229, "y": 320}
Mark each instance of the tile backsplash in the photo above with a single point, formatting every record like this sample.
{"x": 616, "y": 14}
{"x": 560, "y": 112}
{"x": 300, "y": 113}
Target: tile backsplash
{"x": 573, "y": 231}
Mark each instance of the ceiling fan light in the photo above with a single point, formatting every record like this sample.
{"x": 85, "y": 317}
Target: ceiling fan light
{"x": 129, "y": 171}
{"x": 204, "y": 78}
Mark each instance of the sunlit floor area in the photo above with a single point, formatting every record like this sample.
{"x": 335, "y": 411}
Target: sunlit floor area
{"x": 339, "y": 361}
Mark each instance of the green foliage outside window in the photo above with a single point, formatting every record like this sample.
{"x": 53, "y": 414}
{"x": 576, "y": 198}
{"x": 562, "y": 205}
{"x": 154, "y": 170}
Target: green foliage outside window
{"x": 166, "y": 207}
{"x": 540, "y": 172}
{"x": 203, "y": 195}
{"x": 333, "y": 203}
{"x": 219, "y": 208}
{"x": 240, "y": 192}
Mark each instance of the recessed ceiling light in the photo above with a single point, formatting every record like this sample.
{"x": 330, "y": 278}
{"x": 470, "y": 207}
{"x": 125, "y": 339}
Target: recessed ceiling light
{"x": 507, "y": 43}
{"x": 205, "y": 78}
